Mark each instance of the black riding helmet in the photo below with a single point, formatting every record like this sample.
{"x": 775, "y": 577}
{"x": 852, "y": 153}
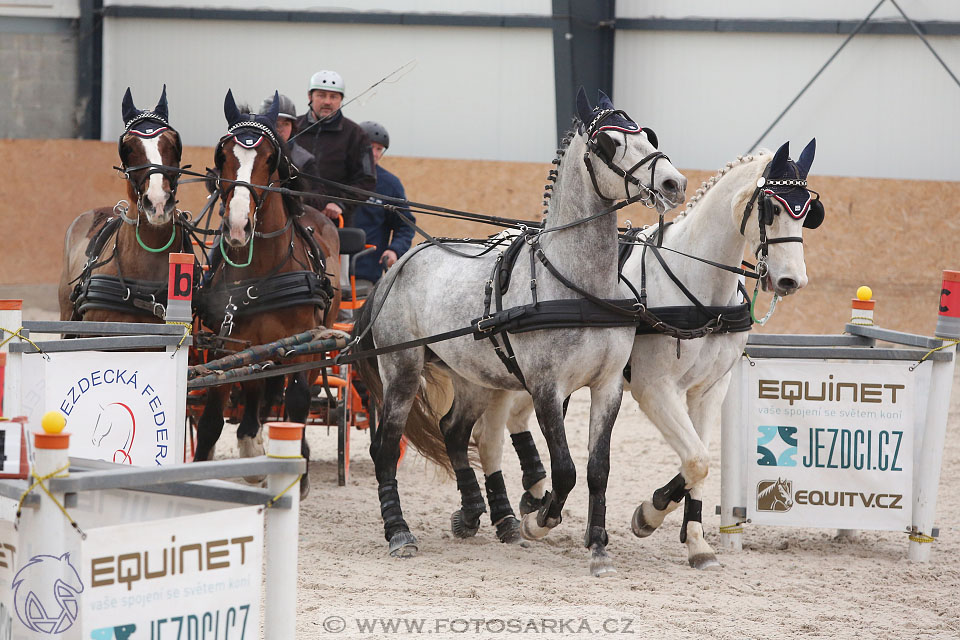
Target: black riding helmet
{"x": 376, "y": 133}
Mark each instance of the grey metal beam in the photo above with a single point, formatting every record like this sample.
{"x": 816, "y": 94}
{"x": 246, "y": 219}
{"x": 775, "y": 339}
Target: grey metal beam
{"x": 13, "y": 489}
{"x": 135, "y": 477}
{"x": 831, "y": 27}
{"x": 333, "y": 17}
{"x": 117, "y": 343}
{"x": 844, "y": 353}
{"x": 896, "y": 337}
{"x": 102, "y": 328}
{"x": 219, "y": 491}
{"x": 808, "y": 340}
{"x": 583, "y": 35}
{"x": 89, "y": 68}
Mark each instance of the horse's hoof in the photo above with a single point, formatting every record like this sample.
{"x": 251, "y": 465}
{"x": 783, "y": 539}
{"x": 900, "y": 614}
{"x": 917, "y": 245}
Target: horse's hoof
{"x": 705, "y": 562}
{"x": 639, "y": 526}
{"x": 508, "y": 531}
{"x": 530, "y": 530}
{"x": 304, "y": 487}
{"x": 249, "y": 447}
{"x": 461, "y": 527}
{"x": 529, "y": 504}
{"x": 601, "y": 564}
{"x": 403, "y": 545}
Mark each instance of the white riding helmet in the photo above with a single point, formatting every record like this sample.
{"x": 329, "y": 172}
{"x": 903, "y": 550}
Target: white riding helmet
{"x": 327, "y": 81}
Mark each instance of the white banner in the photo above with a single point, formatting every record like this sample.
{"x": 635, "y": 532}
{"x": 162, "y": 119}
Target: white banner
{"x": 120, "y": 406}
{"x": 830, "y": 444}
{"x": 192, "y": 577}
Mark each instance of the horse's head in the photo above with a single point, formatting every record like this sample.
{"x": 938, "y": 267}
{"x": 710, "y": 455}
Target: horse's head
{"x": 623, "y": 160}
{"x": 150, "y": 151}
{"x": 248, "y": 157}
{"x": 784, "y": 205}
{"x": 784, "y": 492}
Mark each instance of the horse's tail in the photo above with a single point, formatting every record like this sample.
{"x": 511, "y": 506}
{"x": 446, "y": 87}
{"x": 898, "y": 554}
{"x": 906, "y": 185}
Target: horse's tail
{"x": 423, "y": 422}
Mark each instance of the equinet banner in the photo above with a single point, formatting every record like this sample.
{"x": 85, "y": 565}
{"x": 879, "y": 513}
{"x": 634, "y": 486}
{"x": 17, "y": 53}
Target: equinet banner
{"x": 830, "y": 444}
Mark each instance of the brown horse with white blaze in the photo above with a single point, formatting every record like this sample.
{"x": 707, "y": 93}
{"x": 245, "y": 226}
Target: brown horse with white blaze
{"x": 275, "y": 274}
{"x": 115, "y": 260}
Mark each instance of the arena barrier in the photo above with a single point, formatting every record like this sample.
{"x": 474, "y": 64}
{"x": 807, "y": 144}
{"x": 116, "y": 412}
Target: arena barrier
{"x": 123, "y": 540}
{"x": 833, "y": 431}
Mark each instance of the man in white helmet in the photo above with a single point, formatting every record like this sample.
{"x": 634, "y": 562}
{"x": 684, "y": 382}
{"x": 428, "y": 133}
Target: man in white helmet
{"x": 340, "y": 147}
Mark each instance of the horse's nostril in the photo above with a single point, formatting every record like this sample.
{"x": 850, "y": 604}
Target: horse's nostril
{"x": 787, "y": 284}
{"x": 246, "y": 227}
{"x": 671, "y": 186}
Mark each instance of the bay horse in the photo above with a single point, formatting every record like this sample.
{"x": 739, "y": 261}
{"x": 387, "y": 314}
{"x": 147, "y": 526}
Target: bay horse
{"x": 276, "y": 273}
{"x": 115, "y": 265}
{"x": 681, "y": 387}
{"x": 433, "y": 290}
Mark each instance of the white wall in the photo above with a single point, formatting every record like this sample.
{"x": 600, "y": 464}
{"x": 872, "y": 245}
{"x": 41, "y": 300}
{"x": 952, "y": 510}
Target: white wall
{"x": 884, "y": 108}
{"x": 41, "y": 8}
{"x": 482, "y": 93}
{"x": 780, "y": 9}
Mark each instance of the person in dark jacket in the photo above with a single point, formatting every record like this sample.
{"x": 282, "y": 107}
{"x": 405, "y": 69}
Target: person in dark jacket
{"x": 383, "y": 227}
{"x": 340, "y": 147}
{"x": 303, "y": 159}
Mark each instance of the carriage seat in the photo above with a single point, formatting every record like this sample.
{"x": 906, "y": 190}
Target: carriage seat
{"x": 352, "y": 246}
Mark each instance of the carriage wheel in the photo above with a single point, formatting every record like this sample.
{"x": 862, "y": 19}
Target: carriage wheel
{"x": 343, "y": 432}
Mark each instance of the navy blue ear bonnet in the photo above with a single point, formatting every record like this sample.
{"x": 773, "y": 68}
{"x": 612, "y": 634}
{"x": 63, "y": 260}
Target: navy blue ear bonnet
{"x": 146, "y": 124}
{"x": 604, "y": 117}
{"x": 786, "y": 181}
{"x": 250, "y": 129}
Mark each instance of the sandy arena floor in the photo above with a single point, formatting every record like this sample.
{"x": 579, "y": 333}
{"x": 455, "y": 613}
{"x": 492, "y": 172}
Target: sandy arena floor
{"x": 787, "y": 582}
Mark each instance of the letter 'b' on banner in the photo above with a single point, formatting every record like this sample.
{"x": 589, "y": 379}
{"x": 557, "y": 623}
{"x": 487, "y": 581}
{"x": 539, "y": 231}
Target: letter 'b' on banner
{"x": 948, "y": 322}
{"x": 180, "y": 287}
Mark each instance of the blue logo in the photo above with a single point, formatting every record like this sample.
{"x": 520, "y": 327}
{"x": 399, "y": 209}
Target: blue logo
{"x": 46, "y": 594}
{"x": 777, "y": 446}
{"x": 122, "y": 632}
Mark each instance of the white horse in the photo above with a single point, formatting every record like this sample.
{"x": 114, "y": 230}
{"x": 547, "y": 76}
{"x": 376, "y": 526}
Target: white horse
{"x": 681, "y": 388}
{"x": 573, "y": 258}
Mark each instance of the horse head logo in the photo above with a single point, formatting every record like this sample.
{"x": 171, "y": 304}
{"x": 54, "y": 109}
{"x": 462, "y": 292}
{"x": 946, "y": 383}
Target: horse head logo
{"x": 115, "y": 429}
{"x": 46, "y": 594}
{"x": 774, "y": 495}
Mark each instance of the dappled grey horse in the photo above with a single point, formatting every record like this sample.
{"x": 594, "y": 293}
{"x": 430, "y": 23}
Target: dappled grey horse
{"x": 441, "y": 288}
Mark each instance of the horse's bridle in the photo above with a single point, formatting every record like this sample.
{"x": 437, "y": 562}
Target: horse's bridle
{"x": 765, "y": 212}
{"x": 261, "y": 131}
{"x": 172, "y": 174}
{"x": 602, "y": 149}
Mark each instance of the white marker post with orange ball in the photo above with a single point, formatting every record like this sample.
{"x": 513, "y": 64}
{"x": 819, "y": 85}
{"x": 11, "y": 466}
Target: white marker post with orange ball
{"x": 861, "y": 311}
{"x": 45, "y": 531}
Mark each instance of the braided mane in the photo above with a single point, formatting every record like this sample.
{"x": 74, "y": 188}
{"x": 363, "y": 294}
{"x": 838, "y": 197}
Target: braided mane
{"x": 708, "y": 184}
{"x": 554, "y": 173}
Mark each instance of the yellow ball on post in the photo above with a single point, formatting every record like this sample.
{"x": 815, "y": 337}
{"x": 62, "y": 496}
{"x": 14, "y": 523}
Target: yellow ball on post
{"x": 53, "y": 422}
{"x": 864, "y": 293}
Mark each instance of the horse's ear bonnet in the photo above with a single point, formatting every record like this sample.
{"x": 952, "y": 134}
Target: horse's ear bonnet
{"x": 249, "y": 130}
{"x": 786, "y": 182}
{"x": 146, "y": 124}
